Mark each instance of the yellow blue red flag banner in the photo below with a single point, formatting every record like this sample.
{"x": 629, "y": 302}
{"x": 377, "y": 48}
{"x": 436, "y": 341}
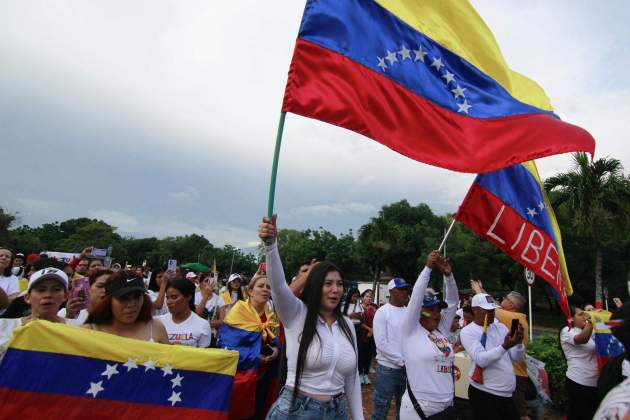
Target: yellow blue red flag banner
{"x": 57, "y": 371}
{"x": 426, "y": 79}
{"x": 510, "y": 209}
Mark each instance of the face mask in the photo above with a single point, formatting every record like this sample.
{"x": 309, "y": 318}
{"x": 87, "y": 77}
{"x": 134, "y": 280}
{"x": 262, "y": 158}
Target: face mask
{"x": 16, "y": 270}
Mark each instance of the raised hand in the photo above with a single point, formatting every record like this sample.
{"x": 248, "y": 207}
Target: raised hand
{"x": 433, "y": 258}
{"x": 267, "y": 229}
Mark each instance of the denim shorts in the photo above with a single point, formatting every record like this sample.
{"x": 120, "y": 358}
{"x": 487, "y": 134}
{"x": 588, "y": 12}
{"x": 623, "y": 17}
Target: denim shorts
{"x": 307, "y": 408}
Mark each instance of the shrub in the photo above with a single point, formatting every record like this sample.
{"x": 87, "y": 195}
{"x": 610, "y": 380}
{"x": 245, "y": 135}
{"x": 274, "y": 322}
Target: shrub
{"x": 547, "y": 349}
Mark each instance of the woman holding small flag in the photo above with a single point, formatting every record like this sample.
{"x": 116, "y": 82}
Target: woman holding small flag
{"x": 321, "y": 342}
{"x": 250, "y": 327}
{"x": 578, "y": 345}
{"x": 428, "y": 355}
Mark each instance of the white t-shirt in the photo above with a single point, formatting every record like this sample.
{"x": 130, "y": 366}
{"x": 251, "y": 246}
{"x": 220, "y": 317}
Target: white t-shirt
{"x": 164, "y": 309}
{"x": 355, "y": 308}
{"x": 7, "y": 326}
{"x": 581, "y": 358}
{"x": 78, "y": 321}
{"x": 387, "y": 326}
{"x": 194, "y": 332}
{"x": 496, "y": 362}
{"x": 616, "y": 404}
{"x": 10, "y": 285}
{"x": 212, "y": 305}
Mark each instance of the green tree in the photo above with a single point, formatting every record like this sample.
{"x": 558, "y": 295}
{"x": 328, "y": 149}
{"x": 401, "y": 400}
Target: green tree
{"x": 597, "y": 194}
{"x": 6, "y": 220}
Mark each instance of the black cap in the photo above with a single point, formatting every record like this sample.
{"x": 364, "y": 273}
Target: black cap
{"x": 125, "y": 283}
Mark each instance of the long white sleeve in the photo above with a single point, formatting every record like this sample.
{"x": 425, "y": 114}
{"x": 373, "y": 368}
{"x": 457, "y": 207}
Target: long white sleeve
{"x": 286, "y": 304}
{"x": 517, "y": 353}
{"x": 480, "y": 356}
{"x": 451, "y": 297}
{"x": 412, "y": 313}
{"x": 387, "y": 348}
{"x": 352, "y": 388}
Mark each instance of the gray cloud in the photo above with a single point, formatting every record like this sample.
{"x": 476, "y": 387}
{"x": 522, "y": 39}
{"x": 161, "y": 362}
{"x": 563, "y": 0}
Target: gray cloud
{"x": 160, "y": 117}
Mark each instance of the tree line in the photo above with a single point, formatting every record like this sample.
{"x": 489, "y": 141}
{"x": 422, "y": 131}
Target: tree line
{"x": 591, "y": 201}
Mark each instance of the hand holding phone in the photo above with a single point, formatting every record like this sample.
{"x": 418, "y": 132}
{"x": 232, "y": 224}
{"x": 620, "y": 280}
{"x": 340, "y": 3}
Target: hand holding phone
{"x": 514, "y": 327}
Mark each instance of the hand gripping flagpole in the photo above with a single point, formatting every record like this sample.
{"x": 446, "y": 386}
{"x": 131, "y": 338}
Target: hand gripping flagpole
{"x": 274, "y": 167}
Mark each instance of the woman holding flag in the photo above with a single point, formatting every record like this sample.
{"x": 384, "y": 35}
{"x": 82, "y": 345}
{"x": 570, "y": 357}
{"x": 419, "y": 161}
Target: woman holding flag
{"x": 250, "y": 327}
{"x": 428, "y": 354}
{"x": 578, "y": 346}
{"x": 321, "y": 342}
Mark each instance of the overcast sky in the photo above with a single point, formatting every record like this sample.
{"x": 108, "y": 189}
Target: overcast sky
{"x": 159, "y": 117}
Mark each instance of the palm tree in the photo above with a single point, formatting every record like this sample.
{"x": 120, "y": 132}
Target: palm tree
{"x": 597, "y": 193}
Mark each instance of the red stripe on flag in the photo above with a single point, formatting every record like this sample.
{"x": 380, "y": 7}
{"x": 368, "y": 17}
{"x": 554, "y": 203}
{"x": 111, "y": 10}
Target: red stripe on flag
{"x": 330, "y": 87}
{"x": 18, "y": 404}
{"x": 527, "y": 244}
{"x": 243, "y": 402}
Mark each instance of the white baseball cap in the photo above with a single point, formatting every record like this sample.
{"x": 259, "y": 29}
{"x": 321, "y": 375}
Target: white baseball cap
{"x": 483, "y": 301}
{"x": 48, "y": 273}
{"x": 191, "y": 275}
{"x": 235, "y": 277}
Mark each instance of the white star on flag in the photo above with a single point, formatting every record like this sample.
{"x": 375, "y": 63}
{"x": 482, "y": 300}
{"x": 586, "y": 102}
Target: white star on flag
{"x": 177, "y": 381}
{"x": 131, "y": 364}
{"x": 458, "y": 91}
{"x": 420, "y": 53}
{"x": 437, "y": 63}
{"x": 464, "y": 107}
{"x": 381, "y": 63}
{"x": 541, "y": 206}
{"x": 404, "y": 53}
{"x": 175, "y": 398}
{"x": 391, "y": 57}
{"x": 110, "y": 371}
{"x": 95, "y": 388}
{"x": 531, "y": 212}
{"x": 149, "y": 365}
{"x": 167, "y": 369}
{"x": 449, "y": 77}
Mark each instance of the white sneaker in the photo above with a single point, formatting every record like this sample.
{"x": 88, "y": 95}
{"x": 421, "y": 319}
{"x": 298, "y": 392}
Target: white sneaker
{"x": 362, "y": 379}
{"x": 367, "y": 380}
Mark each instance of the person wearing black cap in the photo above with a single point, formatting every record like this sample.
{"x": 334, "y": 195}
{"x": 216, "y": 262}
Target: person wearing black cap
{"x": 126, "y": 310}
{"x": 428, "y": 354}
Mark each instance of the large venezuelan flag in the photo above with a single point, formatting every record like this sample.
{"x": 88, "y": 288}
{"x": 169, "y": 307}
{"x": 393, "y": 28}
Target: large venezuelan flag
{"x": 426, "y": 79}
{"x": 510, "y": 209}
{"x": 55, "y": 371}
{"x": 243, "y": 330}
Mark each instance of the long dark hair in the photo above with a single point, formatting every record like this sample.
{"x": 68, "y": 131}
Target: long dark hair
{"x": 348, "y": 300}
{"x": 312, "y": 297}
{"x": 186, "y": 288}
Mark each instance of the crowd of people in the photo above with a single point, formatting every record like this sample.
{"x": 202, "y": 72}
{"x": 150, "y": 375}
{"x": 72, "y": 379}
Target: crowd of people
{"x": 321, "y": 342}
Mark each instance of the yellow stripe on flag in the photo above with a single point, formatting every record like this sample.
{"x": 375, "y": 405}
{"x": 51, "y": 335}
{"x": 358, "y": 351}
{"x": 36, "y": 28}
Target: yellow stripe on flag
{"x": 531, "y": 167}
{"x": 456, "y": 26}
{"x": 44, "y": 336}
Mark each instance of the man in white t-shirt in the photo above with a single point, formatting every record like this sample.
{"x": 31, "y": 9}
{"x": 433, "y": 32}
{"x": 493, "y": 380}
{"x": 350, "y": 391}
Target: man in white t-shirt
{"x": 490, "y": 394}
{"x": 391, "y": 378}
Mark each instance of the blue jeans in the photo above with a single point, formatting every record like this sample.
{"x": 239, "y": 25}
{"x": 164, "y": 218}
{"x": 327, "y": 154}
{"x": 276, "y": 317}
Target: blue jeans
{"x": 389, "y": 383}
{"x": 306, "y": 408}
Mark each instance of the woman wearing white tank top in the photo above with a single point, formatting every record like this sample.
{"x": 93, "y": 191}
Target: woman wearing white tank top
{"x": 428, "y": 354}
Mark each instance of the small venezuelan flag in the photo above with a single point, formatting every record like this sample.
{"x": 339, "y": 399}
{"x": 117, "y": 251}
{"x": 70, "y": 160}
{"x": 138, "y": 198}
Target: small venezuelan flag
{"x": 56, "y": 371}
{"x": 606, "y": 344}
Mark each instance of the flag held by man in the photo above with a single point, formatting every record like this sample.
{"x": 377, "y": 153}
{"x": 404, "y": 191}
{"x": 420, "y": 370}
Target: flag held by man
{"x": 510, "y": 209}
